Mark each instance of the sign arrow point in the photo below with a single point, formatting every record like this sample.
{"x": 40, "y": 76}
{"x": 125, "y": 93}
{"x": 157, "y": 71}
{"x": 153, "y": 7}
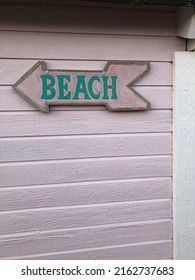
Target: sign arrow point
{"x": 29, "y": 87}
{"x": 128, "y": 73}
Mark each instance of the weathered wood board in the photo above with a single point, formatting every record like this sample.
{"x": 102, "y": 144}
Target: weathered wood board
{"x": 111, "y": 86}
{"x": 77, "y": 170}
{"x": 93, "y": 192}
{"x": 56, "y": 218}
{"x": 86, "y": 146}
{"x": 74, "y": 239}
{"x": 88, "y": 46}
{"x": 159, "y": 250}
{"x": 78, "y": 123}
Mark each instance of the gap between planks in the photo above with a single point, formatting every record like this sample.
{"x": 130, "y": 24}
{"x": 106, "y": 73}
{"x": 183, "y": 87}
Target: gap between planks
{"x": 79, "y": 135}
{"x": 35, "y": 112}
{"x": 62, "y": 108}
{"x": 77, "y": 60}
{"x": 85, "y": 136}
{"x": 80, "y": 158}
{"x": 89, "y": 33}
{"x": 114, "y": 158}
{"x": 84, "y": 183}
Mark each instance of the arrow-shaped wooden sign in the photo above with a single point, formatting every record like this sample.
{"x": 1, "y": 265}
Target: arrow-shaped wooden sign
{"x": 111, "y": 87}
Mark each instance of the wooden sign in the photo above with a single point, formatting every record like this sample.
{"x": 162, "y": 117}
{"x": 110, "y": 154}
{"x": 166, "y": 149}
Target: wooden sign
{"x": 111, "y": 87}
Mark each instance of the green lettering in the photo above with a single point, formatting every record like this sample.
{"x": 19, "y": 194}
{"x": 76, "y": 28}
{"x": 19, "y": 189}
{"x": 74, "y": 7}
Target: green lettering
{"x": 90, "y": 87}
{"x": 63, "y": 86}
{"x": 112, "y": 87}
{"x": 48, "y": 90}
{"x": 81, "y": 88}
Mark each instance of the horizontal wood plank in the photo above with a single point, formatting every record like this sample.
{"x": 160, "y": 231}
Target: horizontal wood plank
{"x": 83, "y": 122}
{"x": 52, "y": 172}
{"x": 88, "y": 20}
{"x": 160, "y": 73}
{"x": 32, "y": 197}
{"x": 88, "y": 46}
{"x": 159, "y": 98}
{"x": 83, "y": 238}
{"x": 159, "y": 250}
{"x": 72, "y": 147}
{"x": 92, "y": 215}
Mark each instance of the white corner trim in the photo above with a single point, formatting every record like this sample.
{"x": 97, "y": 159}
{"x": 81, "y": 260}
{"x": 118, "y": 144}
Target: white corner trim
{"x": 186, "y": 22}
{"x": 184, "y": 155}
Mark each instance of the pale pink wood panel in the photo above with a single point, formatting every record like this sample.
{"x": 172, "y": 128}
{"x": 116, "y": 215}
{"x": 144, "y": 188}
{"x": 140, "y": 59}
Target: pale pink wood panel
{"x": 159, "y": 250}
{"x": 65, "y": 171}
{"x": 82, "y": 216}
{"x": 40, "y": 220}
{"x": 159, "y": 98}
{"x": 70, "y": 147}
{"x": 160, "y": 73}
{"x": 83, "y": 122}
{"x": 88, "y": 46}
{"x": 88, "y": 20}
{"x": 31, "y": 197}
{"x": 82, "y": 238}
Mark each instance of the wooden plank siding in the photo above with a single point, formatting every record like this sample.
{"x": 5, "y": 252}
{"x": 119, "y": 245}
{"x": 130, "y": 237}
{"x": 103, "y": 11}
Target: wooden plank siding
{"x": 157, "y": 250}
{"x": 16, "y": 124}
{"x": 79, "y": 170}
{"x": 91, "y": 46}
{"x": 82, "y": 146}
{"x": 92, "y": 192}
{"x": 56, "y": 218}
{"x": 82, "y": 182}
{"x": 75, "y": 239}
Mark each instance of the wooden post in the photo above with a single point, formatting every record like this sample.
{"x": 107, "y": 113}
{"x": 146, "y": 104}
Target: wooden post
{"x": 184, "y": 155}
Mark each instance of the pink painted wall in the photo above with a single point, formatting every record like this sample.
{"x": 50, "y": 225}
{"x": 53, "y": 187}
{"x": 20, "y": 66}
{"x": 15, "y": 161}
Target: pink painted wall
{"x": 82, "y": 182}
